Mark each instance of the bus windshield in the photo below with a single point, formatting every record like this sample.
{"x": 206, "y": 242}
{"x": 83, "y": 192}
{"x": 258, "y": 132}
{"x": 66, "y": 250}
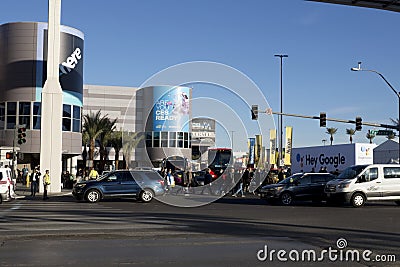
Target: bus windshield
{"x": 218, "y": 160}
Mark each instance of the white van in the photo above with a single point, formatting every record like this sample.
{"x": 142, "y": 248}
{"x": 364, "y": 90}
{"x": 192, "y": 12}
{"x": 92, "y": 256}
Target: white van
{"x": 360, "y": 183}
{"x": 6, "y": 184}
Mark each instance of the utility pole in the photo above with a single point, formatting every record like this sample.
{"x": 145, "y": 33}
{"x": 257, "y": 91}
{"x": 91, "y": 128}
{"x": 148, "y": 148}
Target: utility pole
{"x": 280, "y": 116}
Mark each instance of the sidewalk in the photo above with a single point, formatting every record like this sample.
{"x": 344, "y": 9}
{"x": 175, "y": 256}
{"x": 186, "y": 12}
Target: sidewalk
{"x": 22, "y": 191}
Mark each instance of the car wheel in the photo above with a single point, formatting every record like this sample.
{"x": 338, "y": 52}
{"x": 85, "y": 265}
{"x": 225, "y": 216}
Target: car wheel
{"x": 93, "y": 195}
{"x": 146, "y": 195}
{"x": 397, "y": 202}
{"x": 286, "y": 198}
{"x": 358, "y": 200}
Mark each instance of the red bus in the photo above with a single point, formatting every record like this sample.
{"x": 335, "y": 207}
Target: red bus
{"x": 218, "y": 160}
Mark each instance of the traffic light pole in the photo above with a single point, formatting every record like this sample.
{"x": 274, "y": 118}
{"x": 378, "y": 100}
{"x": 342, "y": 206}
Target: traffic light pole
{"x": 332, "y": 119}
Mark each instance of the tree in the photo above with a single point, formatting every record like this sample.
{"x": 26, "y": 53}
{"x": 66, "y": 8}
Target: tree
{"x": 116, "y": 143}
{"x": 391, "y": 136}
{"x": 331, "y": 132}
{"x": 370, "y": 137}
{"x": 129, "y": 141}
{"x": 94, "y": 125}
{"x": 351, "y": 132}
{"x": 108, "y": 127}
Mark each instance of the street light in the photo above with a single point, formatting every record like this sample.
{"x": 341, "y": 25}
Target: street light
{"x": 391, "y": 87}
{"x": 280, "y": 116}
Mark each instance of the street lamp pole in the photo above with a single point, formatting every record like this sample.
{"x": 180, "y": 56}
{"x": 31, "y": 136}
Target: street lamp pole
{"x": 394, "y": 90}
{"x": 280, "y": 116}
{"x": 232, "y": 140}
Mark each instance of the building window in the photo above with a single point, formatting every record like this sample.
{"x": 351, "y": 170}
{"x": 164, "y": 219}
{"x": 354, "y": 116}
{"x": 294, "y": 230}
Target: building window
{"x": 24, "y": 114}
{"x": 36, "y": 115}
{"x": 2, "y": 115}
{"x": 164, "y": 139}
{"x": 186, "y": 140}
{"x": 11, "y": 115}
{"x": 172, "y": 139}
{"x": 76, "y": 121}
{"x": 156, "y": 139}
{"x": 180, "y": 139}
{"x": 149, "y": 139}
{"x": 66, "y": 120}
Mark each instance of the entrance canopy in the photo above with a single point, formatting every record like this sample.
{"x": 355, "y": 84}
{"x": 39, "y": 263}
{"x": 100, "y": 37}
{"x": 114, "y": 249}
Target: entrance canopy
{"x": 391, "y": 5}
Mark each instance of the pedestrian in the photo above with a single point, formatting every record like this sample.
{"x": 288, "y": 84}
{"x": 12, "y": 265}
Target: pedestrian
{"x": 93, "y": 175}
{"x": 46, "y": 183}
{"x": 170, "y": 180}
{"x": 240, "y": 186}
{"x": 280, "y": 174}
{"x": 25, "y": 172}
{"x": 207, "y": 182}
{"x": 34, "y": 180}
{"x": 288, "y": 172}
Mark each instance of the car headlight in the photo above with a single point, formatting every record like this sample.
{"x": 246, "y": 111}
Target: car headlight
{"x": 344, "y": 185}
{"x": 80, "y": 185}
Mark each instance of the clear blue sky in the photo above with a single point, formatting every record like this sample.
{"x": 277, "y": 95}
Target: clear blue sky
{"x": 127, "y": 41}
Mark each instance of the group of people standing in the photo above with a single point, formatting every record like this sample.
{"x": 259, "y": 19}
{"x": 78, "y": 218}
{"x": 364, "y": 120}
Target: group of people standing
{"x": 234, "y": 181}
{"x": 35, "y": 178}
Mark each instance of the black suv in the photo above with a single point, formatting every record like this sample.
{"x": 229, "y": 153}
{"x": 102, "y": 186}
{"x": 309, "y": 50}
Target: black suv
{"x": 301, "y": 186}
{"x": 140, "y": 184}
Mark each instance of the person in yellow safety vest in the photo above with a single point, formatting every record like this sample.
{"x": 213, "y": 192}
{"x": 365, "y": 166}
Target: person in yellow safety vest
{"x": 46, "y": 183}
{"x": 93, "y": 174}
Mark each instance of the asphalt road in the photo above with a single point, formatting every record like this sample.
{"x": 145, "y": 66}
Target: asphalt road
{"x": 228, "y": 232}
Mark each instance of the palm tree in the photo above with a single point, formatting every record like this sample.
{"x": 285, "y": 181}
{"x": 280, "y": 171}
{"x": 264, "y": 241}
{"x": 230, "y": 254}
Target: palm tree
{"x": 94, "y": 124}
{"x": 129, "y": 141}
{"x": 391, "y": 136}
{"x": 108, "y": 127}
{"x": 331, "y": 132}
{"x": 116, "y": 143}
{"x": 351, "y": 132}
{"x": 370, "y": 137}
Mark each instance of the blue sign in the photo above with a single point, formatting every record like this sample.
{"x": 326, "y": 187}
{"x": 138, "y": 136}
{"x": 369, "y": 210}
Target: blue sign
{"x": 252, "y": 148}
{"x": 171, "y": 109}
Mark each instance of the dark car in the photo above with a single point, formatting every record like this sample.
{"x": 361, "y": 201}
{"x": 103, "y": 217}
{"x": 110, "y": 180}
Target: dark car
{"x": 300, "y": 186}
{"x": 140, "y": 184}
{"x": 198, "y": 177}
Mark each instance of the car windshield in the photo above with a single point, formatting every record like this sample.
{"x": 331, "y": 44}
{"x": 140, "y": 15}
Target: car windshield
{"x": 351, "y": 172}
{"x": 291, "y": 179}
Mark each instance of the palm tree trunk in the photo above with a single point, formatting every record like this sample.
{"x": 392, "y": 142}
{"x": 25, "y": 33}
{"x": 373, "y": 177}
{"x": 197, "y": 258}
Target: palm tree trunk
{"x": 331, "y": 139}
{"x": 116, "y": 158}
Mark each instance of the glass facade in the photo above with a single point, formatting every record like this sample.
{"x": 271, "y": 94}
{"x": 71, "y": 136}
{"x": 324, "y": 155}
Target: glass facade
{"x": 29, "y": 114}
{"x": 168, "y": 139}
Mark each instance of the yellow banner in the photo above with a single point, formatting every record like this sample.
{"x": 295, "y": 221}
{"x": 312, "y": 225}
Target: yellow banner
{"x": 272, "y": 146}
{"x": 258, "y": 149}
{"x": 288, "y": 146}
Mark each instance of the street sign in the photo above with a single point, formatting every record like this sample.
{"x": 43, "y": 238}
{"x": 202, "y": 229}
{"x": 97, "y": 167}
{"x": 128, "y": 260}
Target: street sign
{"x": 385, "y": 132}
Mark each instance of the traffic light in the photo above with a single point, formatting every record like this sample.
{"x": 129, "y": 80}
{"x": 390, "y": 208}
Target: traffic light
{"x": 254, "y": 112}
{"x": 21, "y": 135}
{"x": 322, "y": 119}
{"x": 358, "y": 123}
{"x": 9, "y": 155}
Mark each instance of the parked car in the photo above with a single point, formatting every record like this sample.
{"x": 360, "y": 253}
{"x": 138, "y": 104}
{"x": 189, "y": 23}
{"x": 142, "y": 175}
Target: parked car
{"x": 360, "y": 183}
{"x": 199, "y": 177}
{"x": 6, "y": 184}
{"x": 139, "y": 184}
{"x": 300, "y": 186}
